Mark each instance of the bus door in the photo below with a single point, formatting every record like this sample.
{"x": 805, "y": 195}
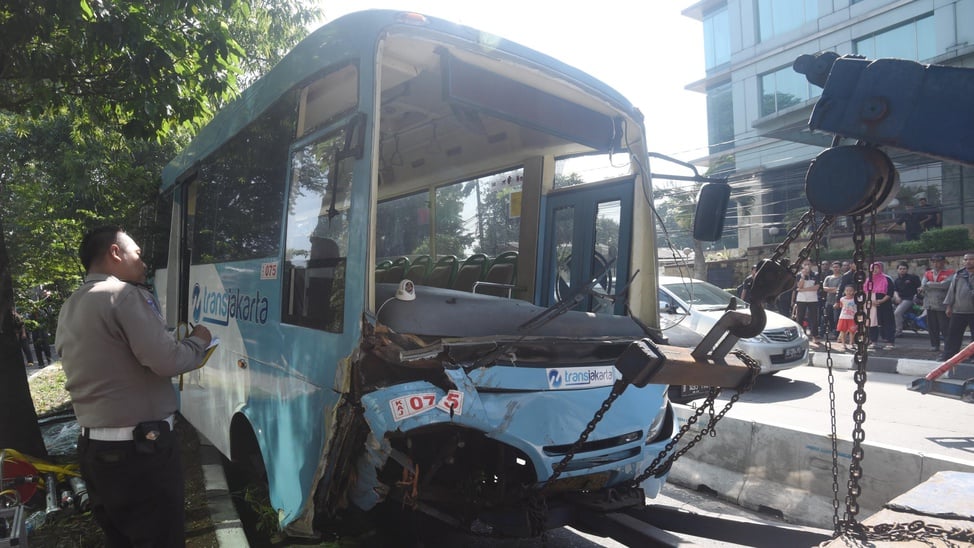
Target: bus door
{"x": 587, "y": 235}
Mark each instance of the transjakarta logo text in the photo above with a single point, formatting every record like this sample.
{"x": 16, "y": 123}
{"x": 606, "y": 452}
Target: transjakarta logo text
{"x": 580, "y": 377}
{"x": 218, "y": 307}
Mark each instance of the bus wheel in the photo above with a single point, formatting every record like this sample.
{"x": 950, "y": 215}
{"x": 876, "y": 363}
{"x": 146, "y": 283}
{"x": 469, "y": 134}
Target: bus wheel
{"x": 245, "y": 456}
{"x": 248, "y": 485}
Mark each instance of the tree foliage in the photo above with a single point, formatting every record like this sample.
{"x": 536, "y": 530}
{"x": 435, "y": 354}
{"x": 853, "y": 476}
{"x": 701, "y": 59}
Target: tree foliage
{"x": 497, "y": 231}
{"x": 676, "y": 206}
{"x": 144, "y": 67}
{"x": 95, "y": 97}
{"x": 453, "y": 236}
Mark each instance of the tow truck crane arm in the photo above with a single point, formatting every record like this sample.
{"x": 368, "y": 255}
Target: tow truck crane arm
{"x": 894, "y": 102}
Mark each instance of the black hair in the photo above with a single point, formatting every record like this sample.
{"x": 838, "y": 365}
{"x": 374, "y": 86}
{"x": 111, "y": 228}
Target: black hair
{"x": 903, "y": 263}
{"x": 96, "y": 243}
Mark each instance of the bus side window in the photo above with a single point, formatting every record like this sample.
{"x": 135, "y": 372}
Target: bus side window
{"x": 317, "y": 235}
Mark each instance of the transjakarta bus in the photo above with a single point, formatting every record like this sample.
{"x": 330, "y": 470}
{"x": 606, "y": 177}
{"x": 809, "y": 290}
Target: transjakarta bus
{"x": 374, "y": 230}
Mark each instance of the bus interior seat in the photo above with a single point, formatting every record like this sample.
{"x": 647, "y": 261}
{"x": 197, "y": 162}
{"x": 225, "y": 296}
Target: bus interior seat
{"x": 470, "y": 272}
{"x": 443, "y": 272}
{"x": 323, "y": 261}
{"x": 397, "y": 271}
{"x": 502, "y": 271}
{"x": 381, "y": 271}
{"x": 419, "y": 269}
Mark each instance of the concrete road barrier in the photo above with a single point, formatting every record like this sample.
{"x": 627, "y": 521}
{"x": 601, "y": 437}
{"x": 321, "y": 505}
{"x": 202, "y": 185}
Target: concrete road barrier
{"x": 789, "y": 472}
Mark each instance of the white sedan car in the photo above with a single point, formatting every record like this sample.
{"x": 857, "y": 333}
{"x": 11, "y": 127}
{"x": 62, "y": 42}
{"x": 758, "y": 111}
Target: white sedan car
{"x": 698, "y": 305}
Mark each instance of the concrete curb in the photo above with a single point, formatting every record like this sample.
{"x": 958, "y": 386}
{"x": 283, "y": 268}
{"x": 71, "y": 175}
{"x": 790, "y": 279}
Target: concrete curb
{"x": 226, "y": 523}
{"x": 765, "y": 467}
{"x": 884, "y": 364}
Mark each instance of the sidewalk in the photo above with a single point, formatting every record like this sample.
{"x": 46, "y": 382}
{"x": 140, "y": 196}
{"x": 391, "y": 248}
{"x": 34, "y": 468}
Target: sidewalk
{"x": 910, "y": 356}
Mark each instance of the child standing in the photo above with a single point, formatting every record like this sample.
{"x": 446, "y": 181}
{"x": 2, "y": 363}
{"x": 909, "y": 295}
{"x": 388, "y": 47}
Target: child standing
{"x": 847, "y": 314}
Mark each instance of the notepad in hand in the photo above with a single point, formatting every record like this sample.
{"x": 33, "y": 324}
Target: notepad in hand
{"x": 214, "y": 342}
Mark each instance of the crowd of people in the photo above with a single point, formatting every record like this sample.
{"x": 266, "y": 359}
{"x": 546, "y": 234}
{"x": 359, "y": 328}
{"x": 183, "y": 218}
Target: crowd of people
{"x": 941, "y": 302}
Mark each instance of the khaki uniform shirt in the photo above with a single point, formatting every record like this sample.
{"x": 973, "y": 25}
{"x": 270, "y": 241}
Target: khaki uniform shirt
{"x": 118, "y": 356}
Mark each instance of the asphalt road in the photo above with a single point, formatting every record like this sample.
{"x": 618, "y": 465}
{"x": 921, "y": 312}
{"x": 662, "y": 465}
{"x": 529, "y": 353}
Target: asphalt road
{"x": 567, "y": 537}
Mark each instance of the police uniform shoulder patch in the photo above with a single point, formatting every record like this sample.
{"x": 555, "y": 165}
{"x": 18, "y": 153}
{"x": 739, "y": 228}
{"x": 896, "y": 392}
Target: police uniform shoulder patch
{"x": 153, "y": 305}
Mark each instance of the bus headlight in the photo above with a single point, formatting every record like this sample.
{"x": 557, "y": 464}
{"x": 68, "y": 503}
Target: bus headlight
{"x": 659, "y": 422}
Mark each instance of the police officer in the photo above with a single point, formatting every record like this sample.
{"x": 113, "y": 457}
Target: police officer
{"x": 118, "y": 358}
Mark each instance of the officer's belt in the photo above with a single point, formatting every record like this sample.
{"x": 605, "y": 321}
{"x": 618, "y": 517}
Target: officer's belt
{"x": 122, "y": 433}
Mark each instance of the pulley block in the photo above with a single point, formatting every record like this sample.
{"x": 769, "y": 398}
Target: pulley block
{"x": 851, "y": 180}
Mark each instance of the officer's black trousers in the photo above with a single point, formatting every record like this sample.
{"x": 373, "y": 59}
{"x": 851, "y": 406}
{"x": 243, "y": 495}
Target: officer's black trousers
{"x": 136, "y": 498}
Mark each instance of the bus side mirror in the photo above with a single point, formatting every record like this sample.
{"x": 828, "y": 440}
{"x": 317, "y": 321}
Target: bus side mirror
{"x": 711, "y": 210}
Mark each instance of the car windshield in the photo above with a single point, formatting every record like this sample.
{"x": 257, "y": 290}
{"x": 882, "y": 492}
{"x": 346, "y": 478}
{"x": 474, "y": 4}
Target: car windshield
{"x": 700, "y": 294}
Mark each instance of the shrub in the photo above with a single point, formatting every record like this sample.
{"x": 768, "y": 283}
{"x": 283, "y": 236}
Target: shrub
{"x": 946, "y": 239}
{"x": 938, "y": 240}
{"x": 909, "y": 248}
{"x": 883, "y": 247}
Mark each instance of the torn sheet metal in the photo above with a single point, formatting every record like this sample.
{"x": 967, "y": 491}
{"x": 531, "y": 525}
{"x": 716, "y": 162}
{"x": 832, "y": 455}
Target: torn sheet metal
{"x": 534, "y": 422}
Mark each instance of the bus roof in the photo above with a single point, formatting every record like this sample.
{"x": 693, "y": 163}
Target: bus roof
{"x": 344, "y": 39}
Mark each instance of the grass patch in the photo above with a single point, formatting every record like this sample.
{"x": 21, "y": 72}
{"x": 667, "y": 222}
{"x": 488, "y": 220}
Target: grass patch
{"x": 48, "y": 392}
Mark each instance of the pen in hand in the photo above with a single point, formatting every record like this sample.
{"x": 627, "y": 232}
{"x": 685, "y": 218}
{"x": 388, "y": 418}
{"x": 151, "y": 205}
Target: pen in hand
{"x": 201, "y": 332}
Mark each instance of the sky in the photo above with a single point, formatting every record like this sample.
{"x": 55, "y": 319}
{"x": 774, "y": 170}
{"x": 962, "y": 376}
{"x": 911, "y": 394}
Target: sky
{"x": 645, "y": 49}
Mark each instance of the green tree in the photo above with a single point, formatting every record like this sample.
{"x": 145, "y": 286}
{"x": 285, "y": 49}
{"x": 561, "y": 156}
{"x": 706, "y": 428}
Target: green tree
{"x": 681, "y": 202}
{"x": 497, "y": 230}
{"x": 452, "y": 235}
{"x": 667, "y": 209}
{"x": 94, "y": 97}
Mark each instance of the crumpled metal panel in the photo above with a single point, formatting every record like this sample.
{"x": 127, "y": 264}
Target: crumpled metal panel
{"x": 528, "y": 421}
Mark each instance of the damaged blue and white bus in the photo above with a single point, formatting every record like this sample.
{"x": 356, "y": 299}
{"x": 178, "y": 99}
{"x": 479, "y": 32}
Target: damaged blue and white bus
{"x": 424, "y": 249}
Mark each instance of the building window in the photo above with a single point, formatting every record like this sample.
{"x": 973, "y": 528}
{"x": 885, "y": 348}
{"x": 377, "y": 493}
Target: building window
{"x": 783, "y": 88}
{"x": 914, "y": 40}
{"x": 720, "y": 118}
{"x": 779, "y": 16}
{"x": 716, "y": 38}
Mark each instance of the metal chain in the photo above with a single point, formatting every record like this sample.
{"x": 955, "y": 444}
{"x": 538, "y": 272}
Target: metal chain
{"x": 849, "y": 527}
{"x": 835, "y": 445}
{"x": 655, "y": 468}
{"x": 824, "y": 320}
{"x": 863, "y": 306}
{"x": 902, "y": 532}
{"x": 814, "y": 239}
{"x": 792, "y": 235}
{"x": 617, "y": 389}
{"x": 537, "y": 503}
{"x": 795, "y": 232}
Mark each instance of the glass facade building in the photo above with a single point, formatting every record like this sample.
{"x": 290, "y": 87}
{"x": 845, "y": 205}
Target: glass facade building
{"x": 758, "y": 106}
